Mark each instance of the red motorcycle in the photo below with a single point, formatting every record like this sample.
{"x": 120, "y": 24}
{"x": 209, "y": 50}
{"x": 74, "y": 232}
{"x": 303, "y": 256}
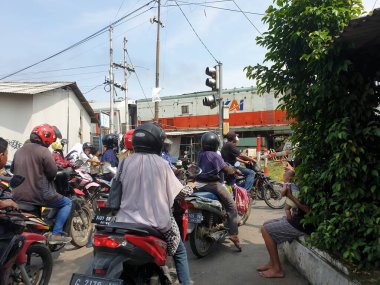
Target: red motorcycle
{"x": 24, "y": 257}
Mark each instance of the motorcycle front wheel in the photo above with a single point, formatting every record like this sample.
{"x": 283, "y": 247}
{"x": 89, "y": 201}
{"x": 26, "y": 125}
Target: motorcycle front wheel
{"x": 199, "y": 243}
{"x": 79, "y": 226}
{"x": 39, "y": 264}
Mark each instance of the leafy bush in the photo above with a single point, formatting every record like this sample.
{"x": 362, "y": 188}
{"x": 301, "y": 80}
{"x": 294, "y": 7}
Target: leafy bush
{"x": 333, "y": 99}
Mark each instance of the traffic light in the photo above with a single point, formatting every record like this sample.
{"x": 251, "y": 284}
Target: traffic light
{"x": 210, "y": 101}
{"x": 212, "y": 82}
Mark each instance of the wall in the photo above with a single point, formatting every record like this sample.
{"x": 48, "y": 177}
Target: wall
{"x": 15, "y": 119}
{"x": 20, "y": 113}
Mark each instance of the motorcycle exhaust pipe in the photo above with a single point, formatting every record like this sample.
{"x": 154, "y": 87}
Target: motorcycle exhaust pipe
{"x": 218, "y": 235}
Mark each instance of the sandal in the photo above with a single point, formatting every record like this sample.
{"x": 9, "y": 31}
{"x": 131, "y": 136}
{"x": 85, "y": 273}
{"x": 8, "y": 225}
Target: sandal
{"x": 236, "y": 241}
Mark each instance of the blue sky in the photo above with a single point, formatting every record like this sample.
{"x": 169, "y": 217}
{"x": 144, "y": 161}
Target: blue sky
{"x": 35, "y": 29}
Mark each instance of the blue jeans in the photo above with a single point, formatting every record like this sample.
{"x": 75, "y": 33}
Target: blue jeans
{"x": 249, "y": 177}
{"x": 63, "y": 208}
{"x": 181, "y": 264}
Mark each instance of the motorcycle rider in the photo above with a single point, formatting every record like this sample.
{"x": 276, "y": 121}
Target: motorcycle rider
{"x": 35, "y": 162}
{"x": 110, "y": 142}
{"x": 149, "y": 187}
{"x": 166, "y": 155}
{"x": 231, "y": 154}
{"x": 212, "y": 165}
{"x": 60, "y": 160}
{"x": 3, "y": 160}
{"x": 81, "y": 152}
{"x": 128, "y": 147}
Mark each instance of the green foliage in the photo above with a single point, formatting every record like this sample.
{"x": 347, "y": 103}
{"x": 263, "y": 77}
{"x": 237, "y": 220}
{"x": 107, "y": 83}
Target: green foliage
{"x": 333, "y": 100}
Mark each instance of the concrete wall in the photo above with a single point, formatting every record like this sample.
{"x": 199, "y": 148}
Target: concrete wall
{"x": 60, "y": 107}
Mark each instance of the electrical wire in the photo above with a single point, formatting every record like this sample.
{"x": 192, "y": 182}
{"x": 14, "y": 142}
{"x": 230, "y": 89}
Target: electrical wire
{"x": 97, "y": 86}
{"x": 63, "y": 69}
{"x": 214, "y": 7}
{"x": 96, "y": 34}
{"x": 247, "y": 17}
{"x": 196, "y": 33}
{"x": 374, "y": 4}
{"x": 138, "y": 80}
{"x": 121, "y": 5}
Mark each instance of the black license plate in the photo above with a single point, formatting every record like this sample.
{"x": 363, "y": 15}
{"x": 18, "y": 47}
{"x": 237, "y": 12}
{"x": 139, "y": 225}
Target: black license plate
{"x": 80, "y": 279}
{"x": 102, "y": 219}
{"x": 195, "y": 217}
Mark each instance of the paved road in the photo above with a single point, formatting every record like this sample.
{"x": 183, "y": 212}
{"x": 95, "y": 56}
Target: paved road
{"x": 224, "y": 266}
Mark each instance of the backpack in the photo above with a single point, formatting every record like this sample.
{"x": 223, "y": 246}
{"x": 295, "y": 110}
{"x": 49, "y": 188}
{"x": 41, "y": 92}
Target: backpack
{"x": 241, "y": 199}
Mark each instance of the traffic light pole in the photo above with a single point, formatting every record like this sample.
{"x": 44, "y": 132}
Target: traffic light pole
{"x": 220, "y": 99}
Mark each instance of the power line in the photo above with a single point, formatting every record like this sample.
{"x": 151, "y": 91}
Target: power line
{"x": 214, "y": 7}
{"x": 121, "y": 5}
{"x": 247, "y": 17}
{"x": 138, "y": 80}
{"x": 374, "y": 4}
{"x": 196, "y": 32}
{"x": 96, "y": 34}
{"x": 97, "y": 86}
{"x": 63, "y": 69}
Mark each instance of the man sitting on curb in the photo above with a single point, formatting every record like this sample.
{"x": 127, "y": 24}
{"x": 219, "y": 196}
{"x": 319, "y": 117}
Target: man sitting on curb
{"x": 280, "y": 230}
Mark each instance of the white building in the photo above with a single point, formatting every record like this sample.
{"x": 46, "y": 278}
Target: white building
{"x": 25, "y": 105}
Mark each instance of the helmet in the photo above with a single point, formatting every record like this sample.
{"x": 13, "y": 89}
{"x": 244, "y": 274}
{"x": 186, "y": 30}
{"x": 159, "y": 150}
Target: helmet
{"x": 128, "y": 139}
{"x": 87, "y": 145}
{"x": 210, "y": 141}
{"x": 148, "y": 138}
{"x": 57, "y": 145}
{"x": 110, "y": 141}
{"x": 44, "y": 134}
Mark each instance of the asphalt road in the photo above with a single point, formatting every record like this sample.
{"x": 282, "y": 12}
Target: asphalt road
{"x": 224, "y": 266}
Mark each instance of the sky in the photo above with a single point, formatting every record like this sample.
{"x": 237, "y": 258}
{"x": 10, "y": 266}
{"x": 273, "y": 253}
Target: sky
{"x": 32, "y": 30}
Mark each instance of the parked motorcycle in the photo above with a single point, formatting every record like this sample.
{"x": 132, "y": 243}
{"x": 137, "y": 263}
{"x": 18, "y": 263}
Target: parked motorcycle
{"x": 24, "y": 257}
{"x": 265, "y": 189}
{"x": 207, "y": 221}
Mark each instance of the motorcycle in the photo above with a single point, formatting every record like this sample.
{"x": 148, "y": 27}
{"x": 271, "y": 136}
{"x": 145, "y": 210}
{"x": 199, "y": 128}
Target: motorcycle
{"x": 78, "y": 225}
{"x": 24, "y": 257}
{"x": 207, "y": 220}
{"x": 124, "y": 254}
{"x": 264, "y": 188}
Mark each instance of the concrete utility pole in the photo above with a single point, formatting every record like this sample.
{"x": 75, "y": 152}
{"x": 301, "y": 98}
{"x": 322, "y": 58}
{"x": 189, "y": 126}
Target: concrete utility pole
{"x": 112, "y": 89}
{"x": 126, "y": 86}
{"x": 157, "y": 104}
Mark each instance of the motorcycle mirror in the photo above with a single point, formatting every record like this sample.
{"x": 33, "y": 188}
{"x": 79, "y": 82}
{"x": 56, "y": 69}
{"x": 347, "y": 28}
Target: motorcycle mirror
{"x": 78, "y": 163}
{"x": 16, "y": 181}
{"x": 193, "y": 171}
{"x": 237, "y": 164}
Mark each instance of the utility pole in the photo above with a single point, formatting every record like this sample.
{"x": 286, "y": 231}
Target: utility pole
{"x": 112, "y": 89}
{"x": 156, "y": 104}
{"x": 126, "y": 87}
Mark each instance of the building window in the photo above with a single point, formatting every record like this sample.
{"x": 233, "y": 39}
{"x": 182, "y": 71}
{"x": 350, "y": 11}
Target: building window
{"x": 185, "y": 109}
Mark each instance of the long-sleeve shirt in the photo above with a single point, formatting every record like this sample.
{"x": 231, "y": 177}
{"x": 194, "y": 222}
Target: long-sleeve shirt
{"x": 109, "y": 156}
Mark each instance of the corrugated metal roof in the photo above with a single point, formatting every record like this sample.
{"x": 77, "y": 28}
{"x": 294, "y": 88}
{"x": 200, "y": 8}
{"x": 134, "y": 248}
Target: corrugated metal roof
{"x": 362, "y": 31}
{"x": 31, "y": 88}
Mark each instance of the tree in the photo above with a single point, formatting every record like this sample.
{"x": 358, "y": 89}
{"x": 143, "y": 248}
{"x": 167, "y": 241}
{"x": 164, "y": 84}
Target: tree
{"x": 334, "y": 101}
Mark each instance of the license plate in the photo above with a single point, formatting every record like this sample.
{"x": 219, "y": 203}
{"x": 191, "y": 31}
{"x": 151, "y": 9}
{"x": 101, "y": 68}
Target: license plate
{"x": 102, "y": 219}
{"x": 194, "y": 218}
{"x": 80, "y": 279}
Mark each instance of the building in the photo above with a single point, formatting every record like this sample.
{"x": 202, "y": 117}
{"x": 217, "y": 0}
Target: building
{"x": 184, "y": 118}
{"x": 25, "y": 105}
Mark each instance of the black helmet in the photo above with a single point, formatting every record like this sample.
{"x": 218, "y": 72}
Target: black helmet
{"x": 87, "y": 145}
{"x": 210, "y": 141}
{"x": 110, "y": 141}
{"x": 148, "y": 138}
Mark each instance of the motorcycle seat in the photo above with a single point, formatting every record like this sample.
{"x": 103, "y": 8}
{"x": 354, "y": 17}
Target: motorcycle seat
{"x": 207, "y": 195}
{"x": 25, "y": 207}
{"x": 136, "y": 229}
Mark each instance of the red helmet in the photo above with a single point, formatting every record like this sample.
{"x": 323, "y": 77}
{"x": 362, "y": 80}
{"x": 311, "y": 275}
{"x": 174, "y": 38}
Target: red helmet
{"x": 128, "y": 139}
{"x": 46, "y": 133}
